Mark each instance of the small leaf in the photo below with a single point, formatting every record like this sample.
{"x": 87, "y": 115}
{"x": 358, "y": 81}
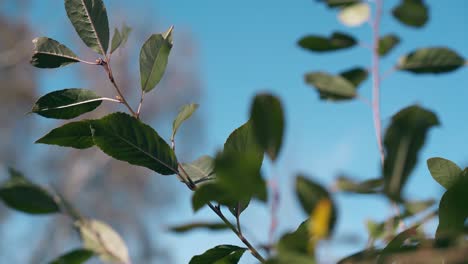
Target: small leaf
{"x": 268, "y": 121}
{"x": 331, "y": 87}
{"x": 184, "y": 113}
{"x": 20, "y": 194}
{"x": 199, "y": 225}
{"x": 76, "y": 135}
{"x": 200, "y": 170}
{"x": 453, "y": 213}
{"x": 100, "y": 238}
{"x": 77, "y": 256}
{"x": 413, "y": 13}
{"x": 320, "y": 221}
{"x": 431, "y": 60}
{"x": 153, "y": 59}
{"x": 355, "y": 75}
{"x": 116, "y": 40}
{"x": 49, "y": 53}
{"x": 376, "y": 230}
{"x": 337, "y": 41}
{"x": 415, "y": 207}
{"x": 89, "y": 17}
{"x": 66, "y": 104}
{"x": 403, "y": 140}
{"x": 371, "y": 186}
{"x": 354, "y": 15}
{"x": 444, "y": 171}
{"x": 339, "y": 3}
{"x": 224, "y": 254}
{"x": 126, "y": 138}
{"x": 387, "y": 43}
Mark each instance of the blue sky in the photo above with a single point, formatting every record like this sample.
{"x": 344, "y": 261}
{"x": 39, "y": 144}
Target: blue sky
{"x": 246, "y": 47}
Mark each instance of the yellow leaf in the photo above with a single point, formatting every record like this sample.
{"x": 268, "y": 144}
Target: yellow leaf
{"x": 319, "y": 223}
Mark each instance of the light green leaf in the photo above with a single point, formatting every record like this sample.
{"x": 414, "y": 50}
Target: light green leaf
{"x": 66, "y": 104}
{"x": 199, "y": 225}
{"x": 444, "y": 171}
{"x": 126, "y": 138}
{"x": 89, "y": 17}
{"x": 371, "y": 186}
{"x": 337, "y": 41}
{"x": 100, "y": 238}
{"x": 431, "y": 60}
{"x": 200, "y": 170}
{"x": 331, "y": 87}
{"x": 354, "y": 15}
{"x": 413, "y": 13}
{"x": 49, "y": 53}
{"x": 76, "y": 135}
{"x": 415, "y": 207}
{"x": 268, "y": 122}
{"x": 153, "y": 59}
{"x": 387, "y": 43}
{"x": 120, "y": 37}
{"x": 355, "y": 75}
{"x": 223, "y": 254}
{"x": 77, "y": 256}
{"x": 184, "y": 113}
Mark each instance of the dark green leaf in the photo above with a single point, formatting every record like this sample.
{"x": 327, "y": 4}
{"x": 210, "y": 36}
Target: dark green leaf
{"x": 200, "y": 170}
{"x": 403, "y": 140}
{"x": 153, "y": 59}
{"x": 431, "y": 60}
{"x": 288, "y": 258}
{"x": 76, "y": 135}
{"x": 20, "y": 194}
{"x": 355, "y": 75}
{"x": 387, "y": 43}
{"x": 331, "y": 87}
{"x": 339, "y": 3}
{"x": 66, "y": 104}
{"x": 453, "y": 213}
{"x": 413, "y": 13}
{"x": 345, "y": 184}
{"x": 337, "y": 41}
{"x": 242, "y": 140}
{"x": 199, "y": 225}
{"x": 398, "y": 241}
{"x": 210, "y": 192}
{"x": 361, "y": 257}
{"x": 444, "y": 171}
{"x": 126, "y": 138}
{"x": 184, "y": 113}
{"x": 48, "y": 53}
{"x": 100, "y": 238}
{"x": 268, "y": 121}
{"x": 224, "y": 254}
{"x": 76, "y": 256}
{"x": 89, "y": 17}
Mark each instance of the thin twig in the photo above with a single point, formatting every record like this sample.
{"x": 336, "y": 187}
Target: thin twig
{"x": 274, "y": 209}
{"x": 140, "y": 104}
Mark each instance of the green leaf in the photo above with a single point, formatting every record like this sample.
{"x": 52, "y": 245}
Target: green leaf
{"x": 210, "y": 192}
{"x": 89, "y": 17}
{"x": 184, "y": 113}
{"x": 126, "y": 138}
{"x": 153, "y": 59}
{"x": 337, "y": 41}
{"x": 20, "y": 194}
{"x": 413, "y": 13}
{"x": 355, "y": 75}
{"x": 76, "y": 135}
{"x": 415, "y": 207}
{"x": 339, "y": 3}
{"x": 387, "y": 43}
{"x": 444, "y": 171}
{"x": 348, "y": 185}
{"x": 268, "y": 122}
{"x": 49, "y": 53}
{"x": 66, "y": 104}
{"x": 200, "y": 170}
{"x": 403, "y": 140}
{"x": 453, "y": 213}
{"x": 100, "y": 238}
{"x": 331, "y": 87}
{"x": 376, "y": 230}
{"x": 120, "y": 37}
{"x": 242, "y": 140}
{"x": 295, "y": 242}
{"x": 398, "y": 241}
{"x": 76, "y": 256}
{"x": 354, "y": 15}
{"x": 199, "y": 225}
{"x": 431, "y": 60}
{"x": 223, "y": 254}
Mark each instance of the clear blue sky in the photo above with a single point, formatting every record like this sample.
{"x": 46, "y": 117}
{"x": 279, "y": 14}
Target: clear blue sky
{"x": 250, "y": 46}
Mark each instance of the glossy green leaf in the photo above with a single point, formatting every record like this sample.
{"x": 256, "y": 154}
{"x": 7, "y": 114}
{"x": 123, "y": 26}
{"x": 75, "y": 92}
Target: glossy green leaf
{"x": 387, "y": 43}
{"x": 453, "y": 213}
{"x": 200, "y": 170}
{"x": 100, "y": 238}
{"x": 76, "y": 135}
{"x": 348, "y": 185}
{"x": 89, "y": 17}
{"x": 403, "y": 140}
{"x": 66, "y": 104}
{"x": 77, "y": 256}
{"x": 126, "y": 138}
{"x": 20, "y": 194}
{"x": 337, "y": 41}
{"x": 354, "y": 15}
{"x": 223, "y": 254}
{"x": 120, "y": 37}
{"x": 49, "y": 53}
{"x": 199, "y": 225}
{"x": 331, "y": 87}
{"x": 153, "y": 59}
{"x": 431, "y": 60}
{"x": 185, "y": 113}
{"x": 413, "y": 13}
{"x": 267, "y": 118}
{"x": 444, "y": 171}
{"x": 355, "y": 75}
